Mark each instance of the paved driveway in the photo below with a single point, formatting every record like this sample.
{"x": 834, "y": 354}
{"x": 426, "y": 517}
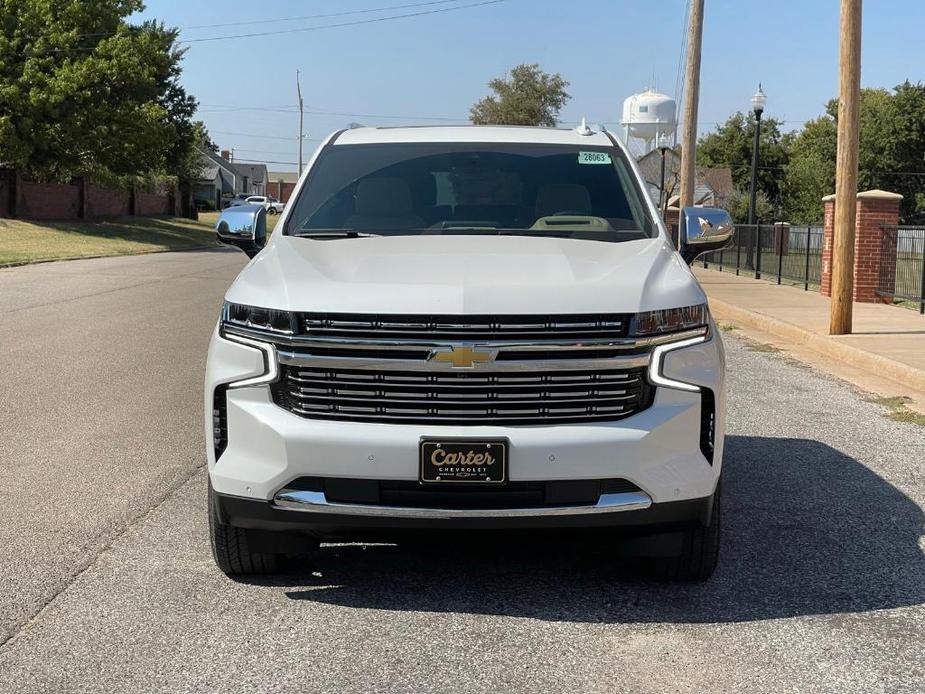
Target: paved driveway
{"x": 109, "y": 585}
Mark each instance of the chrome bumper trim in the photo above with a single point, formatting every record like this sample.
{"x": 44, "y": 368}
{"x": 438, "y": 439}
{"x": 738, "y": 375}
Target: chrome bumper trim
{"x": 316, "y": 502}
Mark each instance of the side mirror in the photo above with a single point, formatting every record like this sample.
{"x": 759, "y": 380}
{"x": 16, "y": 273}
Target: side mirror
{"x": 705, "y": 229}
{"x": 244, "y": 226}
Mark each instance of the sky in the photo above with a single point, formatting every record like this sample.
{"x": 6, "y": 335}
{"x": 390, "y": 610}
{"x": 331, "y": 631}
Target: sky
{"x": 432, "y": 67}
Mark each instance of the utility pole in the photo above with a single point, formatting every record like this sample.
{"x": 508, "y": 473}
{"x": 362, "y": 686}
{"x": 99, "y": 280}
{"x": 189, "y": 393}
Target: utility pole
{"x": 298, "y": 89}
{"x": 691, "y": 100}
{"x": 846, "y": 168}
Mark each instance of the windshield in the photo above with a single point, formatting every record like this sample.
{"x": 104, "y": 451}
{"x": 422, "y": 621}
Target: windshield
{"x": 466, "y": 188}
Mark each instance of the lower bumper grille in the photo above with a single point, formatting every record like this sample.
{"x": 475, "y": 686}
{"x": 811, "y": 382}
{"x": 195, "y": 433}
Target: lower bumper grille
{"x": 462, "y": 398}
{"x": 510, "y": 495}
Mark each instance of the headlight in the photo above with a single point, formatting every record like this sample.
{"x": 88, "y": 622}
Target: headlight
{"x": 670, "y": 320}
{"x": 256, "y": 318}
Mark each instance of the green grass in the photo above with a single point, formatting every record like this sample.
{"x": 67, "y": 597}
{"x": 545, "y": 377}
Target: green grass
{"x": 897, "y": 410}
{"x": 23, "y": 242}
{"x": 727, "y": 327}
{"x": 208, "y": 218}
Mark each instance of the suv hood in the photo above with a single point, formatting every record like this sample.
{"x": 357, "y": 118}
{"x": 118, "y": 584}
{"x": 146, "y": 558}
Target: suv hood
{"x": 466, "y": 275}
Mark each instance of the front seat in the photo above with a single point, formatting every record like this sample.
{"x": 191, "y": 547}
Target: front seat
{"x": 557, "y": 198}
{"x": 383, "y": 203}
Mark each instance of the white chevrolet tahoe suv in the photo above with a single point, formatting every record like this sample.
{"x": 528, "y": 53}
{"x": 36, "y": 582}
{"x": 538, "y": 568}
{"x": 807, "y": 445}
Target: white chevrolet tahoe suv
{"x": 462, "y": 330}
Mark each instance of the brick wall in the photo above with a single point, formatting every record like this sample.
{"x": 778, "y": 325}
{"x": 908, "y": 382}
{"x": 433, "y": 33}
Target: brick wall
{"x": 42, "y": 201}
{"x": 875, "y": 208}
{"x": 49, "y": 201}
{"x": 103, "y": 202}
{"x": 147, "y": 204}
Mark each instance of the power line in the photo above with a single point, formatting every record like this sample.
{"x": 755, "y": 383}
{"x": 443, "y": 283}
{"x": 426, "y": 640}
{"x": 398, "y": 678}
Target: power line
{"x": 682, "y": 53}
{"x": 288, "y": 31}
{"x": 370, "y": 10}
{"x": 221, "y": 108}
{"x": 265, "y": 137}
{"x": 260, "y": 151}
{"x": 263, "y": 161}
{"x": 318, "y": 16}
{"x": 343, "y": 24}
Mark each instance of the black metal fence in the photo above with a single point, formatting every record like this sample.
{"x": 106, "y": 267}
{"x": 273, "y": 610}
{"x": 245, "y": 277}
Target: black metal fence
{"x": 902, "y": 264}
{"x": 774, "y": 252}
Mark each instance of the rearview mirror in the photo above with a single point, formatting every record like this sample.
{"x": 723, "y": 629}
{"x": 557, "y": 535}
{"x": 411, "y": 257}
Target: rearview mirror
{"x": 705, "y": 229}
{"x": 244, "y": 226}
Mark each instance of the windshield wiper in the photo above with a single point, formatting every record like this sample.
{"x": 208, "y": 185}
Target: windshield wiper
{"x": 334, "y": 233}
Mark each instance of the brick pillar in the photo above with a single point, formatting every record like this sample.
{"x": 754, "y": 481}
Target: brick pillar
{"x": 17, "y": 205}
{"x": 875, "y": 208}
{"x": 82, "y": 211}
{"x": 828, "y": 234}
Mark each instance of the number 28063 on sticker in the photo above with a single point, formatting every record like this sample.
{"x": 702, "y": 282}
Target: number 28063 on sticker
{"x": 594, "y": 158}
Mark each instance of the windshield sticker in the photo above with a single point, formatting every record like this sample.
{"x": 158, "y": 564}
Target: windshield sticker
{"x": 594, "y": 158}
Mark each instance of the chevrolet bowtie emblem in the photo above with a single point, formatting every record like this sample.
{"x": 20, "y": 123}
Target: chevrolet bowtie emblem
{"x": 461, "y": 357}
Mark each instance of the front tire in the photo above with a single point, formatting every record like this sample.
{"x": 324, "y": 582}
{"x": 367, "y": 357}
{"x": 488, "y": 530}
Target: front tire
{"x": 699, "y": 552}
{"x": 232, "y": 548}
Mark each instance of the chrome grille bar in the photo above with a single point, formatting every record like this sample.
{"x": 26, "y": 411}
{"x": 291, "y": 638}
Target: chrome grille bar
{"x": 456, "y": 327}
{"x": 462, "y": 396}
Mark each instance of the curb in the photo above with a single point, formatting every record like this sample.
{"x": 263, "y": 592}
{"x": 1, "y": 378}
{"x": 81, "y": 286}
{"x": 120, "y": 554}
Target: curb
{"x": 823, "y": 344}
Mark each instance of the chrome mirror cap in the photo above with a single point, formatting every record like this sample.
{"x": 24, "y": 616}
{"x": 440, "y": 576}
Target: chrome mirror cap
{"x": 705, "y": 229}
{"x": 244, "y": 226}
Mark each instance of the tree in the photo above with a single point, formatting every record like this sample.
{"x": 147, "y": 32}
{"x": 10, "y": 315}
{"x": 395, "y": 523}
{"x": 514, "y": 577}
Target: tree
{"x": 891, "y": 153}
{"x": 82, "y": 92}
{"x": 731, "y": 145}
{"x": 737, "y": 206}
{"x": 528, "y": 97}
{"x": 810, "y": 175}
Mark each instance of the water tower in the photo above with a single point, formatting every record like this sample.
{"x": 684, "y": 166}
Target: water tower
{"x": 647, "y": 116}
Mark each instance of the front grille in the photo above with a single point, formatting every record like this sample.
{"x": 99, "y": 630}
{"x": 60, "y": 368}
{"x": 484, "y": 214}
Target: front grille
{"x": 427, "y": 328}
{"x": 463, "y": 398}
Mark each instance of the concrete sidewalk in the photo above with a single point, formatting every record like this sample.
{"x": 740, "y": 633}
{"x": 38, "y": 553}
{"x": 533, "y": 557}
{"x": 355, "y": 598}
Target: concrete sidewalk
{"x": 888, "y": 340}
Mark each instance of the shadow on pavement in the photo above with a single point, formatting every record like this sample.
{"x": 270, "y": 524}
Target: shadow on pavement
{"x": 807, "y": 530}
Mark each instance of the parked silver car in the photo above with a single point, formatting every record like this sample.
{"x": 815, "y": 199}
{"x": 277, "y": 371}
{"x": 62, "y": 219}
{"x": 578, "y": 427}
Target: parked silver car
{"x": 271, "y": 205}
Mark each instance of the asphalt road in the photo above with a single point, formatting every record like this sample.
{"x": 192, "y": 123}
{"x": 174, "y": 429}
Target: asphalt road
{"x": 106, "y": 583}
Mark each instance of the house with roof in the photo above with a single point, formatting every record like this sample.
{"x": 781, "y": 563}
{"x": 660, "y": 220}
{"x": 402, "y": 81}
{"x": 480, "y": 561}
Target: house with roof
{"x": 712, "y": 186}
{"x": 222, "y": 179}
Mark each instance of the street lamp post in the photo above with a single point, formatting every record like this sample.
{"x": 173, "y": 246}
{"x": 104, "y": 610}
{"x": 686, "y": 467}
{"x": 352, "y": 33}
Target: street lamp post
{"x": 758, "y": 102}
{"x": 663, "y": 147}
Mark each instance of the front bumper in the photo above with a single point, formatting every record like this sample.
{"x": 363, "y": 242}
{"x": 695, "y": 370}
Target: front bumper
{"x": 658, "y": 450}
{"x": 326, "y": 520}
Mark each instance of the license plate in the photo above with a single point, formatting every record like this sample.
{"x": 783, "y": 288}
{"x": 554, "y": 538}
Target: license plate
{"x": 480, "y": 461}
